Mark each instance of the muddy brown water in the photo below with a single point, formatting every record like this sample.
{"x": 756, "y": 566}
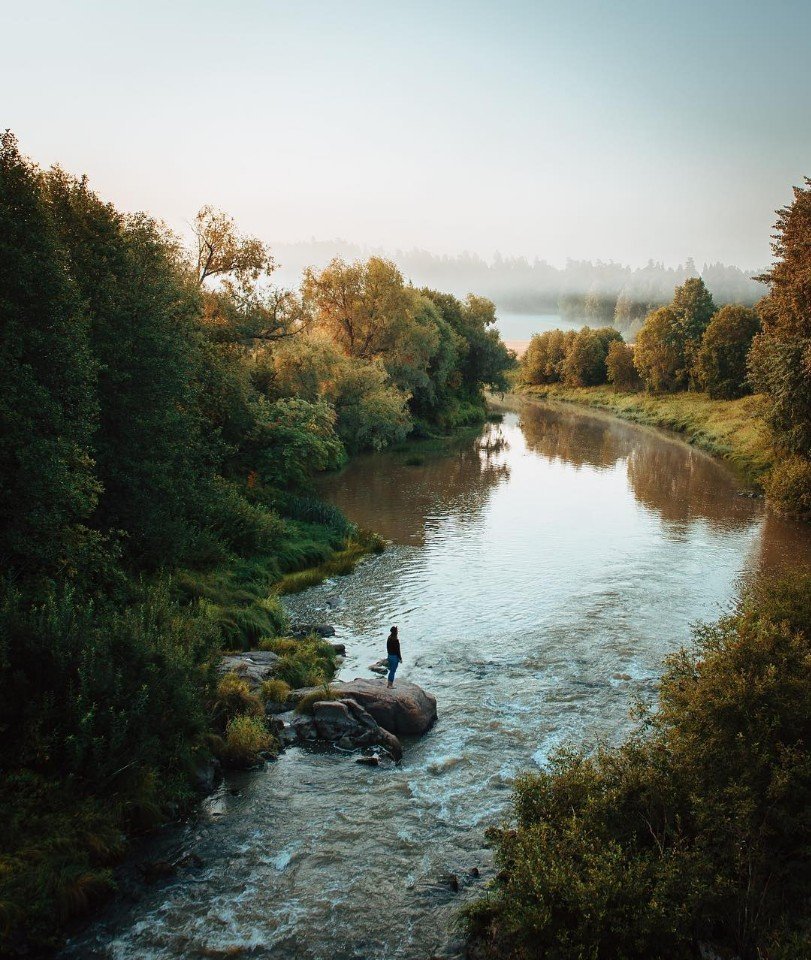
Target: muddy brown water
{"x": 539, "y": 575}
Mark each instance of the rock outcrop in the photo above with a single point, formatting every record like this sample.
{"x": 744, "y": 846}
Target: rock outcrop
{"x": 252, "y": 665}
{"x": 346, "y": 724}
{"x": 404, "y": 710}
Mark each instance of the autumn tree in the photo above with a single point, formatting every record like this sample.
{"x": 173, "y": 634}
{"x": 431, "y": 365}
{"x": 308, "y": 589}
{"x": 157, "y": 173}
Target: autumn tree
{"x": 780, "y": 359}
{"x": 620, "y": 368}
{"x": 585, "y": 361}
{"x": 543, "y": 360}
{"x": 721, "y": 359}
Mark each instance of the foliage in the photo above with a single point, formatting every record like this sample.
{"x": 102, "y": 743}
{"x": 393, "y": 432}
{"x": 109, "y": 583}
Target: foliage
{"x": 721, "y": 359}
{"x": 788, "y": 487}
{"x": 274, "y": 691}
{"x": 303, "y": 663}
{"x": 695, "y": 828}
{"x": 659, "y": 351}
{"x": 620, "y": 368}
{"x": 543, "y": 360}
{"x": 234, "y": 697}
{"x": 247, "y": 740}
{"x": 48, "y": 408}
{"x": 585, "y": 362}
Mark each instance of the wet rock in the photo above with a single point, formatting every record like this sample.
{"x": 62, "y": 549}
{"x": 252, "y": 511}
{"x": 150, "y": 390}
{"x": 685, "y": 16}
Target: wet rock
{"x": 153, "y": 870}
{"x": 379, "y": 666}
{"x": 370, "y": 761}
{"x": 474, "y": 872}
{"x": 253, "y": 665}
{"x": 339, "y": 648}
{"x": 405, "y": 710}
{"x": 453, "y": 882}
{"x": 207, "y": 775}
{"x": 322, "y": 630}
{"x": 346, "y": 721}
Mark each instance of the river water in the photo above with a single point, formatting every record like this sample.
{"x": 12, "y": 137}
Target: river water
{"x": 538, "y": 574}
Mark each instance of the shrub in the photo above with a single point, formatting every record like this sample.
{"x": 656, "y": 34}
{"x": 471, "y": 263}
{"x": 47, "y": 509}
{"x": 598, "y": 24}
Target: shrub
{"x": 788, "y": 487}
{"x": 303, "y": 663}
{"x": 235, "y": 697}
{"x": 659, "y": 352}
{"x": 246, "y": 740}
{"x": 274, "y": 691}
{"x": 695, "y": 829}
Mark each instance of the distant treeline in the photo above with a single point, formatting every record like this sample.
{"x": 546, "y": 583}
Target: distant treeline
{"x": 162, "y": 413}
{"x": 598, "y": 293}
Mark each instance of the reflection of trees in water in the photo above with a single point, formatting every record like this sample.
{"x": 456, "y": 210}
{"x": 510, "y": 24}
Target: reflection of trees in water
{"x": 571, "y": 437}
{"x": 681, "y": 485}
{"x": 669, "y": 478}
{"x": 384, "y": 494}
{"x": 782, "y": 544}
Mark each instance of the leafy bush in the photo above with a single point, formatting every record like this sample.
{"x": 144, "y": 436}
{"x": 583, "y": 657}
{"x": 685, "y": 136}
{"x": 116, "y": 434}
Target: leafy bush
{"x": 788, "y": 487}
{"x": 274, "y": 691}
{"x": 246, "y": 741}
{"x": 303, "y": 663}
{"x": 695, "y": 829}
{"x": 721, "y": 359}
{"x": 235, "y": 697}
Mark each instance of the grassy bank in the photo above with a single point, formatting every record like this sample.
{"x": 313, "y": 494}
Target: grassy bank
{"x": 733, "y": 430}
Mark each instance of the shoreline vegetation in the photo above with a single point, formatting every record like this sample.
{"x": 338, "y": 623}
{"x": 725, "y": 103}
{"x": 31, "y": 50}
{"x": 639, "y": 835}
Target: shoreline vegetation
{"x": 164, "y": 412}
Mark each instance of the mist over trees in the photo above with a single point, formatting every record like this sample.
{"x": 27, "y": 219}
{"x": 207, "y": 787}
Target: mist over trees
{"x": 597, "y": 293}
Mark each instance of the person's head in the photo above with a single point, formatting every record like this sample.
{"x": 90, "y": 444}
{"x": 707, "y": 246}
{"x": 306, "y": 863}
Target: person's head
{"x": 393, "y": 632}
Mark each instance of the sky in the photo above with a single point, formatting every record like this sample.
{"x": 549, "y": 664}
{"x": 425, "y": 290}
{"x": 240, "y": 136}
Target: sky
{"x": 578, "y": 129}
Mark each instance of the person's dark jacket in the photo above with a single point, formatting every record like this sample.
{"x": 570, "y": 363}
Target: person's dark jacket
{"x": 393, "y": 647}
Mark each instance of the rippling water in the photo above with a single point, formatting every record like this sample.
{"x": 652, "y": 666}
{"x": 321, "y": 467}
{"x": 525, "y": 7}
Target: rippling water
{"x": 538, "y": 576}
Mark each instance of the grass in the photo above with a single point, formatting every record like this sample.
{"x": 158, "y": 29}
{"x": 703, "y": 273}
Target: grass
{"x": 733, "y": 430}
{"x": 341, "y": 563}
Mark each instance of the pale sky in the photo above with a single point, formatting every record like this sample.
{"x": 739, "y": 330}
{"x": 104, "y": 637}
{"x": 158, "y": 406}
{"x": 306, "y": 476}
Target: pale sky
{"x": 621, "y": 130}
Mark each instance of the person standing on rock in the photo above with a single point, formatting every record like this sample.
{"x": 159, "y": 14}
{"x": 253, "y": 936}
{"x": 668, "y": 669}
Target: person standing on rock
{"x": 395, "y": 657}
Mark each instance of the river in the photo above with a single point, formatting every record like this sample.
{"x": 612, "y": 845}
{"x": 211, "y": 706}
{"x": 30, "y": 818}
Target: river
{"x": 538, "y": 574}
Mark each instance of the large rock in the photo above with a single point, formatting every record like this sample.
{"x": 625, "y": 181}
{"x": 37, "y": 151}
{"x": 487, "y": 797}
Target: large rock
{"x": 346, "y": 721}
{"x": 405, "y": 710}
{"x": 253, "y": 665}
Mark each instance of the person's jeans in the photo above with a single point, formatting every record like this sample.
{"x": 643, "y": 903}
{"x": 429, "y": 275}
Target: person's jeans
{"x": 394, "y": 663}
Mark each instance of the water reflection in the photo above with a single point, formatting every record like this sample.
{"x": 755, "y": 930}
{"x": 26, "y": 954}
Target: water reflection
{"x": 389, "y": 493}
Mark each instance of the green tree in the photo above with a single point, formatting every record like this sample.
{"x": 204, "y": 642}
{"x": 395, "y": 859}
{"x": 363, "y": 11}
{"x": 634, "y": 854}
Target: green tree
{"x": 543, "y": 360}
{"x": 659, "y": 351}
{"x": 48, "y": 406}
{"x": 694, "y": 307}
{"x": 150, "y": 451}
{"x": 721, "y": 361}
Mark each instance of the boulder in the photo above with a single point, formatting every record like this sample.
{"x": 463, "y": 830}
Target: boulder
{"x": 405, "y": 710}
{"x": 339, "y": 720}
{"x": 252, "y": 665}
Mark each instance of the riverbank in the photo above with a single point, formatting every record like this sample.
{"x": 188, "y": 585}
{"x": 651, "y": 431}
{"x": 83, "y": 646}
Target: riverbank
{"x": 733, "y": 430}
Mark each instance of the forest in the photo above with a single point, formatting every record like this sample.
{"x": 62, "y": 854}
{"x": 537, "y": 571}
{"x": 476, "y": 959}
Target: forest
{"x": 164, "y": 408}
{"x": 729, "y": 352}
